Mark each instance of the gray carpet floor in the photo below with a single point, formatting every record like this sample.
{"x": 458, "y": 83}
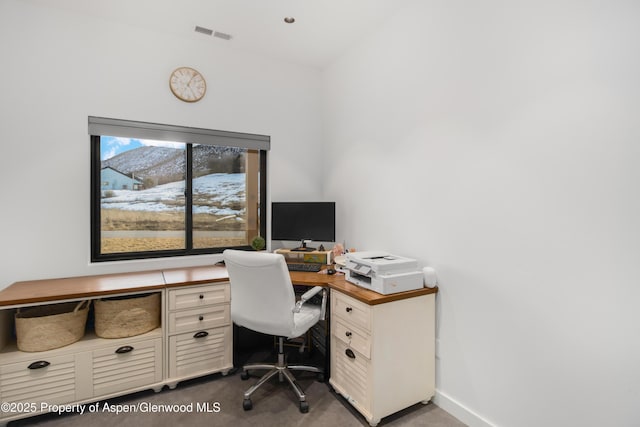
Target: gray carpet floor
{"x": 274, "y": 404}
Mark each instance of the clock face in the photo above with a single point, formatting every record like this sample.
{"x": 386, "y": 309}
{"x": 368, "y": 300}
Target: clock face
{"x": 187, "y": 84}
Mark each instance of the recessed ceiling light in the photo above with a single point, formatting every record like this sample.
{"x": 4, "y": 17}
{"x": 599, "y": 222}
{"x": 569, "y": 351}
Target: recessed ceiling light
{"x": 289, "y": 20}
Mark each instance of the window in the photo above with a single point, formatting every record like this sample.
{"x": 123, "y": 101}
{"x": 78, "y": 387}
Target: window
{"x": 162, "y": 190}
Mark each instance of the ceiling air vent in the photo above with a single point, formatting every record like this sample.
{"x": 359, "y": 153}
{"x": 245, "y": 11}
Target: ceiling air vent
{"x": 223, "y": 36}
{"x": 203, "y": 30}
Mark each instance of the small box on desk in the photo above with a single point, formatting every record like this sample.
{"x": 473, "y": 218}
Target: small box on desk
{"x": 317, "y": 257}
{"x": 314, "y": 257}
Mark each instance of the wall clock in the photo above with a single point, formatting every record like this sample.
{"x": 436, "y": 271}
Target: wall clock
{"x": 187, "y": 84}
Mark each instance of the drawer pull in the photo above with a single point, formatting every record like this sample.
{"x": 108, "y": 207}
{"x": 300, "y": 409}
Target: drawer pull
{"x": 39, "y": 364}
{"x": 201, "y": 318}
{"x": 350, "y": 354}
{"x": 348, "y": 334}
{"x": 124, "y": 349}
{"x": 201, "y": 296}
{"x": 201, "y": 334}
{"x": 349, "y": 309}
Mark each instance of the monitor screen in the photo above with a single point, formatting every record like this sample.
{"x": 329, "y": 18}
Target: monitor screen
{"x": 303, "y": 221}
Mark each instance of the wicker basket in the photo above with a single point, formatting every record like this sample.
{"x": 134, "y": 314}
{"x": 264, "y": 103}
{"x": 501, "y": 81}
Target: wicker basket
{"x": 52, "y": 326}
{"x": 122, "y": 317}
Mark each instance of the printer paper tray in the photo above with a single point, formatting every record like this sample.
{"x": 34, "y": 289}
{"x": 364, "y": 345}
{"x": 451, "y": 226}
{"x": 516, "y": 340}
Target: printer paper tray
{"x": 387, "y": 284}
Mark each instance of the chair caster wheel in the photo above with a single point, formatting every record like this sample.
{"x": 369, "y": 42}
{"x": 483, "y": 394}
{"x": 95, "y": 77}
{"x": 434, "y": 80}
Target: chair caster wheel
{"x": 304, "y": 407}
{"x": 320, "y": 377}
{"x": 247, "y": 405}
{"x": 244, "y": 375}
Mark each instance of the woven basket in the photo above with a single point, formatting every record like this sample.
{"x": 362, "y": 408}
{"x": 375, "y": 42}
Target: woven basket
{"x": 122, "y": 317}
{"x": 52, "y": 326}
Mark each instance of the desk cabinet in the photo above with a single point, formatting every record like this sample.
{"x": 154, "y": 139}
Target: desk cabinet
{"x": 199, "y": 338}
{"x": 195, "y": 339}
{"x": 383, "y": 356}
{"x": 90, "y": 369}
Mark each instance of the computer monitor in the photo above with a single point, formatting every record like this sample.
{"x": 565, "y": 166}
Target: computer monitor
{"x": 303, "y": 221}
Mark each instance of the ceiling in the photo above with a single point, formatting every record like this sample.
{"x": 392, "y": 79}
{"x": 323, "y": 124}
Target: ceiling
{"x": 323, "y": 29}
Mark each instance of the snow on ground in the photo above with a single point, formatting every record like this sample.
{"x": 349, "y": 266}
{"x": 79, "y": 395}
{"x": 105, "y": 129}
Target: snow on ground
{"x": 214, "y": 194}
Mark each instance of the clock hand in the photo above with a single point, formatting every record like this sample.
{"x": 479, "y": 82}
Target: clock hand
{"x": 190, "y": 80}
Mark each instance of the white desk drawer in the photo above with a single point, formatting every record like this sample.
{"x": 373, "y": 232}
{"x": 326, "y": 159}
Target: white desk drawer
{"x": 199, "y": 318}
{"x": 351, "y": 372}
{"x": 351, "y": 310}
{"x": 353, "y": 337}
{"x": 203, "y": 351}
{"x": 125, "y": 366}
{"x": 198, "y": 296}
{"x": 53, "y": 383}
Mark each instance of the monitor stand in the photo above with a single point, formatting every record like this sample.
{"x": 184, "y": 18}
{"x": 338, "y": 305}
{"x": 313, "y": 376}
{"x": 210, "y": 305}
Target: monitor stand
{"x": 303, "y": 247}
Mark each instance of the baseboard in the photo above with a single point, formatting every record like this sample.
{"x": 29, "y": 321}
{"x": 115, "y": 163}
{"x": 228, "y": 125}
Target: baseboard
{"x": 460, "y": 411}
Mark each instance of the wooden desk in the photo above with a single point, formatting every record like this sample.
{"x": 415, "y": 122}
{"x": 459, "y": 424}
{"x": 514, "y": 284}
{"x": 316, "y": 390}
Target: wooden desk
{"x": 378, "y": 328}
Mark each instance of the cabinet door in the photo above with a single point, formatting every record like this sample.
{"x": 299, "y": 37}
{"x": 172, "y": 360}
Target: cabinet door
{"x": 50, "y": 379}
{"x": 203, "y": 351}
{"x": 127, "y": 366}
{"x": 351, "y": 375}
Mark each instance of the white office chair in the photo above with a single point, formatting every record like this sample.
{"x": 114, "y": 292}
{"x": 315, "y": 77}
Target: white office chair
{"x": 263, "y": 300}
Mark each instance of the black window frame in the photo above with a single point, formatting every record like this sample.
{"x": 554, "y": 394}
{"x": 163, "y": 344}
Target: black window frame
{"x": 97, "y": 256}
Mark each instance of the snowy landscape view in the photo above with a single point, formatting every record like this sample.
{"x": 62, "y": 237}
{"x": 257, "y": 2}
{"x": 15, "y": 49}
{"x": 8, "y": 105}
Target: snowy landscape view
{"x": 216, "y": 194}
{"x": 142, "y": 204}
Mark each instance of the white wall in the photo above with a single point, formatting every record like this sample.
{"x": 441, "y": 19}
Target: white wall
{"x": 499, "y": 142}
{"x": 495, "y": 141}
{"x": 58, "y": 69}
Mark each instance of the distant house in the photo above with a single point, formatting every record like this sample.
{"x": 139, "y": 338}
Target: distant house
{"x": 115, "y": 180}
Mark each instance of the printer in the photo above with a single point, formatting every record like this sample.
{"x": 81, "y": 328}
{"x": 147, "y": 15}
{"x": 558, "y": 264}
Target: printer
{"x": 382, "y": 272}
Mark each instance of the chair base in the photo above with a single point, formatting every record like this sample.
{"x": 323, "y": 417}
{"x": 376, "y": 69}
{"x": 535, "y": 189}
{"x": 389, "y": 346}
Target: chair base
{"x": 283, "y": 371}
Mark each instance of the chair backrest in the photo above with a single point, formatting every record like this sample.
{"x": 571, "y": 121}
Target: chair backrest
{"x": 262, "y": 297}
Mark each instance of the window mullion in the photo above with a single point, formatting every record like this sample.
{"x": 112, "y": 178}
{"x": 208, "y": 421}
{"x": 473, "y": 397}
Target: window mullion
{"x": 188, "y": 202}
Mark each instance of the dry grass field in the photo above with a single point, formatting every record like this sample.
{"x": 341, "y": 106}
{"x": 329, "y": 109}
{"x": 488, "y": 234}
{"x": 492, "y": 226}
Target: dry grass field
{"x": 128, "y": 244}
{"x": 112, "y": 245}
{"x": 119, "y": 220}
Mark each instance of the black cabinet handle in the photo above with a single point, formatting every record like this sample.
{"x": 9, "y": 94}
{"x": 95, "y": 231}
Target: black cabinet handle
{"x": 124, "y": 349}
{"x": 349, "y": 309}
{"x": 350, "y": 354}
{"x": 201, "y": 334}
{"x": 201, "y": 318}
{"x": 201, "y": 296}
{"x": 39, "y": 364}
{"x": 348, "y": 333}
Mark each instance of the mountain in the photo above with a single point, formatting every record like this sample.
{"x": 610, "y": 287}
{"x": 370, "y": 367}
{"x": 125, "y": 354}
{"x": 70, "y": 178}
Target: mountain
{"x": 145, "y": 159}
{"x": 160, "y": 165}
